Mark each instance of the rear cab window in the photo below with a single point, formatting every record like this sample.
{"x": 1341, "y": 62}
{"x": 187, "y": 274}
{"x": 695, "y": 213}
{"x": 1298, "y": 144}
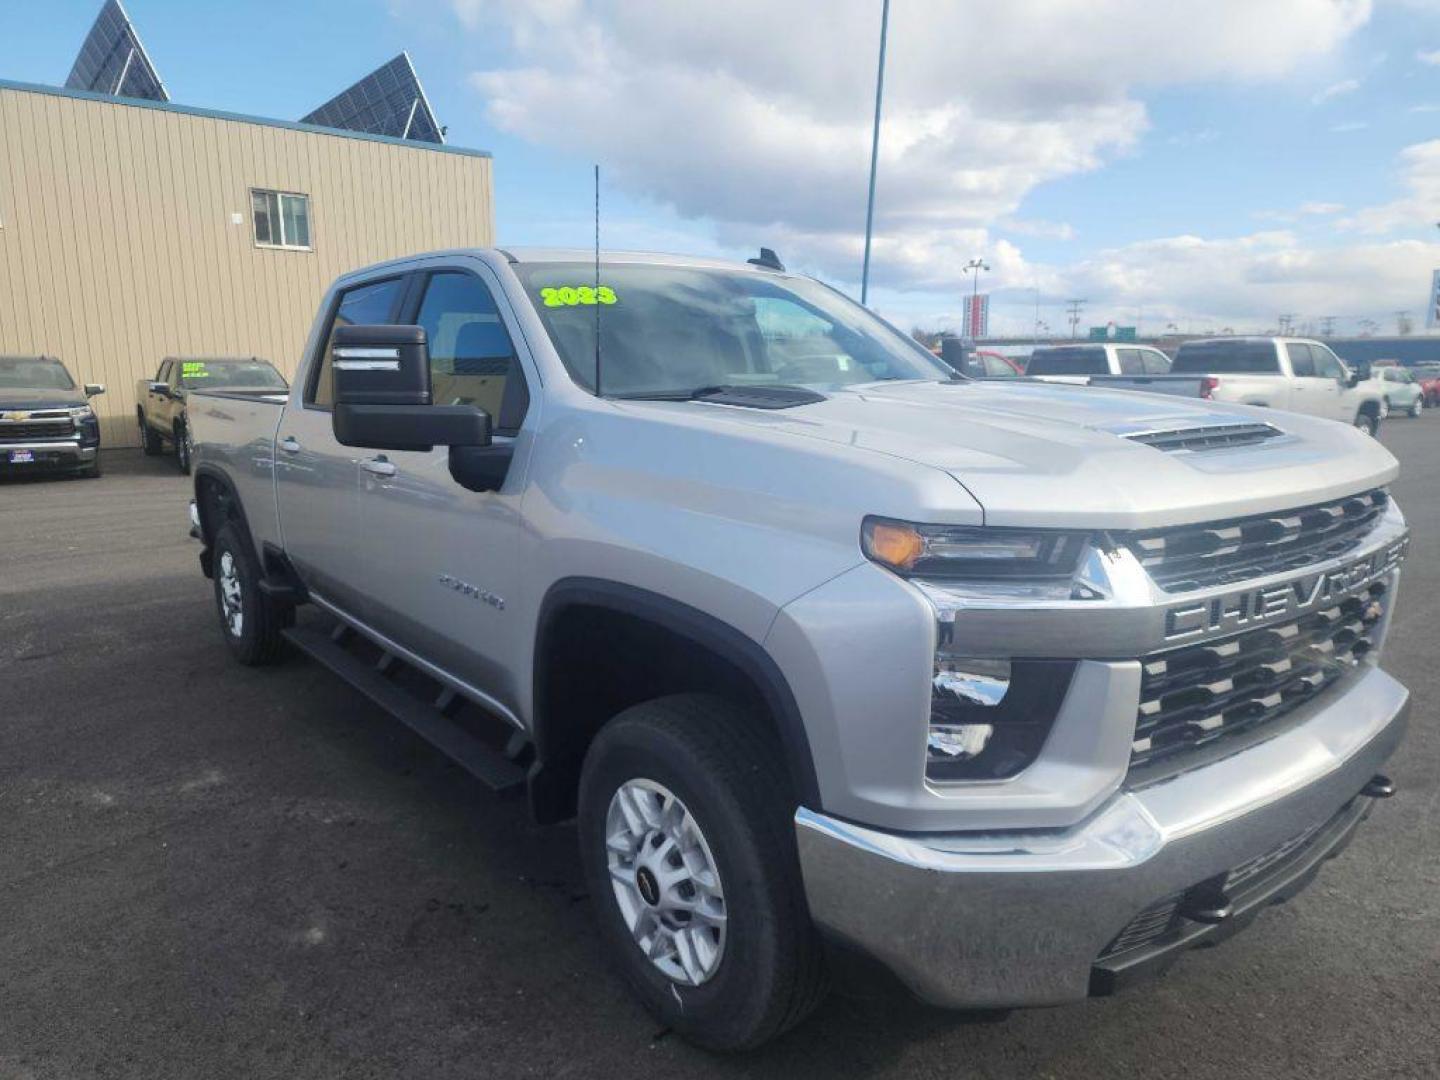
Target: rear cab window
{"x": 1069, "y": 360}
{"x": 1226, "y": 358}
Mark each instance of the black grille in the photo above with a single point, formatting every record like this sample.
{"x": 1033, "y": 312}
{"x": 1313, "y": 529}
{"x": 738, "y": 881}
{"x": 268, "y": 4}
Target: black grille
{"x": 1224, "y": 552}
{"x": 1197, "y": 694}
{"x": 1211, "y": 437}
{"x": 19, "y": 431}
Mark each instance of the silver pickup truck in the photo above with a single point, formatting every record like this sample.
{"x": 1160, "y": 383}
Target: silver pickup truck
{"x": 1016, "y": 689}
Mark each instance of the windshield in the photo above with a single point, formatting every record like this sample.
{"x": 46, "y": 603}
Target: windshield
{"x": 1225, "y": 358}
{"x": 219, "y": 374}
{"x": 671, "y": 330}
{"x": 33, "y": 373}
{"x": 1069, "y": 360}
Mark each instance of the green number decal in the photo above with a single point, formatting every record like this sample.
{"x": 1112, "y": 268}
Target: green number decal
{"x": 577, "y": 296}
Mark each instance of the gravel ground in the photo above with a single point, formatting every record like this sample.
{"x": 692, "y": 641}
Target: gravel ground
{"x": 209, "y": 871}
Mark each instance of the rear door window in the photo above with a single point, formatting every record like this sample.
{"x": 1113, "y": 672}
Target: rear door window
{"x": 1156, "y": 363}
{"x": 1302, "y": 360}
{"x": 472, "y": 360}
{"x": 371, "y": 304}
{"x": 1131, "y": 361}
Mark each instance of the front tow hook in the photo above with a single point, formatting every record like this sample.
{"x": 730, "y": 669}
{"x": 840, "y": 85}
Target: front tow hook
{"x": 1209, "y": 906}
{"x": 1379, "y": 787}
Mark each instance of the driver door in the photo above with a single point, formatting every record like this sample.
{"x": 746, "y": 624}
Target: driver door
{"x": 440, "y": 561}
{"x": 1342, "y": 398}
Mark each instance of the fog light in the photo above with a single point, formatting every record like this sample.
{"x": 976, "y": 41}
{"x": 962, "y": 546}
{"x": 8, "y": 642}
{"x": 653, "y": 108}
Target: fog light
{"x": 989, "y": 718}
{"x": 959, "y": 742}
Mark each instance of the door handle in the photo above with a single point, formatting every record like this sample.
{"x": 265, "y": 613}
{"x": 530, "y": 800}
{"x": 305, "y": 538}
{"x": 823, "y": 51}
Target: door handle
{"x": 289, "y": 445}
{"x": 378, "y": 467}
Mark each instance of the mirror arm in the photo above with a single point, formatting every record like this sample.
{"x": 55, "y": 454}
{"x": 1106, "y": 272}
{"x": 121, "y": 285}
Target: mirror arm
{"x": 481, "y": 468}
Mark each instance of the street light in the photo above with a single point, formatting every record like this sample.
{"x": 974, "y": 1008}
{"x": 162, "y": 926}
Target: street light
{"x": 976, "y": 267}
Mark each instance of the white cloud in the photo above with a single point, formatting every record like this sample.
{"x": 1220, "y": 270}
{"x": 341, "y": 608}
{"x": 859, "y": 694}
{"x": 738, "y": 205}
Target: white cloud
{"x": 1321, "y": 208}
{"x": 1419, "y": 207}
{"x": 1244, "y": 282}
{"x": 1431, "y": 57}
{"x": 755, "y": 116}
{"x": 1349, "y": 126}
{"x": 1335, "y": 90}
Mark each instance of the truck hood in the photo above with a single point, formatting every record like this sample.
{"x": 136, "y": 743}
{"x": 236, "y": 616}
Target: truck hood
{"x": 1044, "y": 454}
{"x": 33, "y": 400}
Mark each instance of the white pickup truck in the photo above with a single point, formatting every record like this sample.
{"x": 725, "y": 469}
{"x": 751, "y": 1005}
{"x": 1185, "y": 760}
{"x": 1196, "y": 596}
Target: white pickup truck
{"x": 1078, "y": 364}
{"x": 1017, "y": 689}
{"x": 1294, "y": 374}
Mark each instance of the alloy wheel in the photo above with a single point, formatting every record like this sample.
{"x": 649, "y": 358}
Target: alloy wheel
{"x": 666, "y": 882}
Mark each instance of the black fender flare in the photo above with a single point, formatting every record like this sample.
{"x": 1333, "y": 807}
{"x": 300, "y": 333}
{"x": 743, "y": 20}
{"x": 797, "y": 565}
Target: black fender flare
{"x": 716, "y": 635}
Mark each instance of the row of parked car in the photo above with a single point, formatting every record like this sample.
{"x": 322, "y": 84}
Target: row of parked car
{"x": 1295, "y": 374}
{"x": 47, "y": 422}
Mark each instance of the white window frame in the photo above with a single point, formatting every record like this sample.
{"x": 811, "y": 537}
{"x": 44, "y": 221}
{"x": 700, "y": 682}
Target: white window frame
{"x": 279, "y": 219}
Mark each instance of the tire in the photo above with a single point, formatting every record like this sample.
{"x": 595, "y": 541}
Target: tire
{"x": 248, "y": 621}
{"x": 150, "y": 440}
{"x": 184, "y": 448}
{"x": 1368, "y": 422}
{"x": 1417, "y": 407}
{"x": 765, "y": 973}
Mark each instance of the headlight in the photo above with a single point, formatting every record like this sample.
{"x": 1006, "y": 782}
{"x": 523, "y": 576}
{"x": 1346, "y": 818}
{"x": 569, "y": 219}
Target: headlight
{"x": 989, "y": 719}
{"x": 973, "y": 552}
{"x": 82, "y": 412}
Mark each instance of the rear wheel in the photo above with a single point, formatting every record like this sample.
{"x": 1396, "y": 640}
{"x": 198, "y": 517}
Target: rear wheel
{"x": 687, "y": 839}
{"x": 249, "y": 622}
{"x": 150, "y": 440}
{"x": 1417, "y": 406}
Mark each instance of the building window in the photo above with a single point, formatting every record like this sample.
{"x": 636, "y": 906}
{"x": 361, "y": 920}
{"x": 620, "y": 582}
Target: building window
{"x": 281, "y": 219}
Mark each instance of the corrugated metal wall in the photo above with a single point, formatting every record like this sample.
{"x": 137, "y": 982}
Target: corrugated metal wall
{"x": 118, "y": 246}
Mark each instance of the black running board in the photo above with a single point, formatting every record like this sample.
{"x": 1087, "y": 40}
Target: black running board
{"x": 491, "y": 767}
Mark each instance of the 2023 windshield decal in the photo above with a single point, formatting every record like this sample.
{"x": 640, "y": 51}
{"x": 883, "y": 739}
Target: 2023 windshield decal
{"x": 574, "y": 296}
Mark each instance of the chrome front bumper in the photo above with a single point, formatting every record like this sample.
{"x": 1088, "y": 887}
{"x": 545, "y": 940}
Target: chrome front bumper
{"x": 65, "y": 454}
{"x": 1020, "y": 918}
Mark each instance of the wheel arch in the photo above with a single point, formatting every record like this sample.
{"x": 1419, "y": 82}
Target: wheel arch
{"x": 586, "y": 622}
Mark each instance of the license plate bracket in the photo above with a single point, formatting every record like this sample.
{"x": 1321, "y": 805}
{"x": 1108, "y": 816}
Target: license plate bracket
{"x": 22, "y": 457}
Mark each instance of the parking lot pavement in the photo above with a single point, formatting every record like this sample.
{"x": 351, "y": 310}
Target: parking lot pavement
{"x": 211, "y": 871}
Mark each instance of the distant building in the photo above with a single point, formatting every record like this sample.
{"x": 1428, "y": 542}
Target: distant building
{"x": 132, "y": 229}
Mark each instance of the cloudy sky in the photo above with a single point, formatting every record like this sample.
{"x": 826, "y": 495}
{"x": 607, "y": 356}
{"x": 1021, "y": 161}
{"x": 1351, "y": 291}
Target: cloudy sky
{"x": 1207, "y": 164}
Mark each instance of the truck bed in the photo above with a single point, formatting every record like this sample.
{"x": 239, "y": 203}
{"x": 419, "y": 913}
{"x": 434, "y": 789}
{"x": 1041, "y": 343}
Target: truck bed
{"x": 1175, "y": 385}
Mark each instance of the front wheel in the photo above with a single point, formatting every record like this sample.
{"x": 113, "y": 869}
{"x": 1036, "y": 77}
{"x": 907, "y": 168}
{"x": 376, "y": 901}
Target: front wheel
{"x": 687, "y": 839}
{"x": 1417, "y": 407}
{"x": 249, "y": 622}
{"x": 1368, "y": 422}
{"x": 184, "y": 448}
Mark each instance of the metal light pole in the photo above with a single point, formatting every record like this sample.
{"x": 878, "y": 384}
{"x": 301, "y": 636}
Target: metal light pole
{"x": 976, "y": 267}
{"x": 874, "y": 153}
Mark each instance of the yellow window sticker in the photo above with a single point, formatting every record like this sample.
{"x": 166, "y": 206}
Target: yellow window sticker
{"x": 194, "y": 370}
{"x": 575, "y": 295}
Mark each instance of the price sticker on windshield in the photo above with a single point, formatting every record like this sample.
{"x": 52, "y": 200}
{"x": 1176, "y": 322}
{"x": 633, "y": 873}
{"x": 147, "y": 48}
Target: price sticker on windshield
{"x": 192, "y": 370}
{"x": 577, "y": 295}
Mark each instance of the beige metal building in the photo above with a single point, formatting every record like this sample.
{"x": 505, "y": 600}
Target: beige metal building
{"x": 132, "y": 230}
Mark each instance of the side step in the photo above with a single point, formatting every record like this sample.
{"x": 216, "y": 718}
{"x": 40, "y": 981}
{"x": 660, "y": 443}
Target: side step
{"x": 491, "y": 767}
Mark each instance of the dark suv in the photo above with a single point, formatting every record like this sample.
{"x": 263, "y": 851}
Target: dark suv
{"x": 46, "y": 422}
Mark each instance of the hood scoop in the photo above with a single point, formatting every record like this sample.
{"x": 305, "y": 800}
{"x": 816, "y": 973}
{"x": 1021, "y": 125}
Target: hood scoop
{"x": 1196, "y": 439}
{"x": 758, "y": 397}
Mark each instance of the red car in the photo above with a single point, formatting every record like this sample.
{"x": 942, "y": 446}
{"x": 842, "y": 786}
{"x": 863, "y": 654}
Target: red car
{"x": 1428, "y": 376}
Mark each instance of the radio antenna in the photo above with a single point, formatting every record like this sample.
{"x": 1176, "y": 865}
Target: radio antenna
{"x": 597, "y": 281}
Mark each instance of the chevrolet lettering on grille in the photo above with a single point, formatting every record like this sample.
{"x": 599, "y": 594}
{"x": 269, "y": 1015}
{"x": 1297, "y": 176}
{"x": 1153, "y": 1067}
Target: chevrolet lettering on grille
{"x": 1248, "y": 608}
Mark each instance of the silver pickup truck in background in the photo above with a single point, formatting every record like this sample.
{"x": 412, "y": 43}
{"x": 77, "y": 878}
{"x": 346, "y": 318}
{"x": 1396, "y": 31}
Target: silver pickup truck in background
{"x": 1017, "y": 689}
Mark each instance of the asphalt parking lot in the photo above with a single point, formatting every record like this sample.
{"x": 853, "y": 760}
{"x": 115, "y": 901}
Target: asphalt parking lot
{"x": 210, "y": 871}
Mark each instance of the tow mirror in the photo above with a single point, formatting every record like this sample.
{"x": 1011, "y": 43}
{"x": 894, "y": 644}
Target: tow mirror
{"x": 92, "y": 389}
{"x": 1358, "y": 374}
{"x": 155, "y": 388}
{"x": 382, "y": 394}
